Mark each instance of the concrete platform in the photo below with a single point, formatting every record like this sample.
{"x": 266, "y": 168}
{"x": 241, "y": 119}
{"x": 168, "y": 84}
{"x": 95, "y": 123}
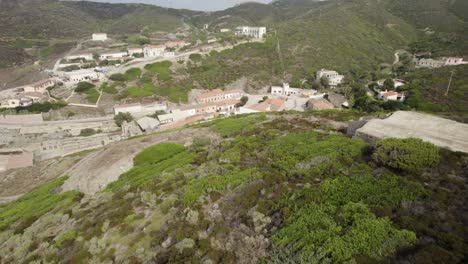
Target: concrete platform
{"x": 441, "y": 132}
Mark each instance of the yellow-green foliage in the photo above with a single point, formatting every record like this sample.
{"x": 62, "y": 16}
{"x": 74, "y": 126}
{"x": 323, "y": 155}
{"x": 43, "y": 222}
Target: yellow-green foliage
{"x": 410, "y": 155}
{"x": 36, "y": 203}
{"x": 162, "y": 69}
{"x": 150, "y": 163}
{"x": 197, "y": 187}
{"x": 342, "y": 232}
{"x": 231, "y": 126}
{"x": 65, "y": 238}
{"x": 313, "y": 154}
{"x": 157, "y": 153}
{"x": 132, "y": 74}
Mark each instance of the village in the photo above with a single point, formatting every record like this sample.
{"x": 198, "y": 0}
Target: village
{"x": 28, "y": 138}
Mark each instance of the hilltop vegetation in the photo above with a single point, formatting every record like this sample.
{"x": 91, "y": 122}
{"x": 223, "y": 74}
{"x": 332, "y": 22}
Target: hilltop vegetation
{"x": 427, "y": 91}
{"x": 273, "y": 189}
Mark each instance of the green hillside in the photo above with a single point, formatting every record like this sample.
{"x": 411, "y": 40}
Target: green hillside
{"x": 269, "y": 190}
{"x": 53, "y": 18}
{"x": 427, "y": 91}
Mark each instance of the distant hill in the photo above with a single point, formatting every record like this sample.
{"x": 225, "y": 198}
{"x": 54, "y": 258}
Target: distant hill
{"x": 53, "y": 18}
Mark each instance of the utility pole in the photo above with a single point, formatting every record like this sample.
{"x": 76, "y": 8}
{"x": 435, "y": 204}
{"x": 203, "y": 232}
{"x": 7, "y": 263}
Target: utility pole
{"x": 450, "y": 82}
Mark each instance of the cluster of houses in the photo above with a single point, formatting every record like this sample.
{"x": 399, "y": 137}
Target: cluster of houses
{"x": 25, "y": 95}
{"x": 391, "y": 95}
{"x": 437, "y": 63}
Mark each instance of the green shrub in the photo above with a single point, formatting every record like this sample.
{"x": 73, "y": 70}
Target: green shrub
{"x": 87, "y": 132}
{"x": 229, "y": 127}
{"x": 110, "y": 89}
{"x": 118, "y": 77}
{"x": 344, "y": 232}
{"x": 121, "y": 117}
{"x": 92, "y": 96}
{"x": 66, "y": 238}
{"x": 157, "y": 153}
{"x": 84, "y": 87}
{"x": 36, "y": 203}
{"x": 410, "y": 155}
{"x": 132, "y": 74}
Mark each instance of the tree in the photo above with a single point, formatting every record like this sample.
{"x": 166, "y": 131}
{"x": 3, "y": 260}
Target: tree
{"x": 410, "y": 155}
{"x": 388, "y": 84}
{"x": 324, "y": 82}
{"x": 121, "y": 117}
{"x": 244, "y": 99}
{"x": 84, "y": 86}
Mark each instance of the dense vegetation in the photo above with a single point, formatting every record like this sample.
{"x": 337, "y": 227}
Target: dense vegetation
{"x": 428, "y": 91}
{"x": 273, "y": 189}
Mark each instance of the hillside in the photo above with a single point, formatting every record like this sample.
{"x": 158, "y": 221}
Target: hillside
{"x": 427, "y": 91}
{"x": 272, "y": 188}
{"x": 53, "y": 18}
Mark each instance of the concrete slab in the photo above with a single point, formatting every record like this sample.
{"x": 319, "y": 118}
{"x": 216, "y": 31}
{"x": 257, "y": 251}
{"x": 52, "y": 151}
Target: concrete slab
{"x": 441, "y": 132}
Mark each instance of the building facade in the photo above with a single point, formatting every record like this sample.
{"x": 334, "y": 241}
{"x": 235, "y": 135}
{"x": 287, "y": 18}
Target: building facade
{"x": 154, "y": 51}
{"x": 99, "y": 37}
{"x": 218, "y": 95}
{"x": 333, "y": 77}
{"x": 254, "y": 32}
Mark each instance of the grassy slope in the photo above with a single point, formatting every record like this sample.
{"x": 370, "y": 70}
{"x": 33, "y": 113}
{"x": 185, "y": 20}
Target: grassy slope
{"x": 427, "y": 91}
{"x": 51, "y": 18}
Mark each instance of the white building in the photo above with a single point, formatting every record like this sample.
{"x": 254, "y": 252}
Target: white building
{"x": 175, "y": 116}
{"x": 451, "y": 61}
{"x": 332, "y": 76}
{"x": 391, "y": 96}
{"x": 254, "y": 32}
{"x": 224, "y": 30}
{"x": 39, "y": 87}
{"x": 139, "y": 110}
{"x": 445, "y": 61}
{"x": 15, "y": 102}
{"x": 87, "y": 56}
{"x": 396, "y": 83}
{"x": 168, "y": 54}
{"x": 99, "y": 37}
{"x": 148, "y": 124}
{"x": 133, "y": 51}
{"x": 285, "y": 90}
{"x": 113, "y": 55}
{"x": 82, "y": 76}
{"x": 154, "y": 51}
{"x": 218, "y": 95}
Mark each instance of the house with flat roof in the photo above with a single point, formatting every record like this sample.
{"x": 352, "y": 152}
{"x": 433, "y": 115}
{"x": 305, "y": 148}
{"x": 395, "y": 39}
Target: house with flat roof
{"x": 99, "y": 37}
{"x": 153, "y": 51}
{"x": 254, "y": 32}
{"x": 333, "y": 77}
{"x": 218, "y": 95}
{"x": 391, "y": 96}
{"x": 319, "y": 104}
{"x": 40, "y": 86}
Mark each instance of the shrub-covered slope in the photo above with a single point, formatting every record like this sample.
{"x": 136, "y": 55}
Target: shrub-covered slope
{"x": 275, "y": 189}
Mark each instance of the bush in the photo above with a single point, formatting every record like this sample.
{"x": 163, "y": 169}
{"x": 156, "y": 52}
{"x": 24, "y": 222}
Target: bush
{"x": 84, "y": 86}
{"x": 132, "y": 74}
{"x": 410, "y": 155}
{"x": 121, "y": 117}
{"x": 118, "y": 77}
{"x": 195, "y": 57}
{"x": 87, "y": 132}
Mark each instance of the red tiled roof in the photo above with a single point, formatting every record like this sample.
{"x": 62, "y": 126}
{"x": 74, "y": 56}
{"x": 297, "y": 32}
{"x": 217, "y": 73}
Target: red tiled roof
{"x": 217, "y": 92}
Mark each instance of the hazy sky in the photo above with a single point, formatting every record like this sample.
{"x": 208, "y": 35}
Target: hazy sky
{"x": 205, "y": 5}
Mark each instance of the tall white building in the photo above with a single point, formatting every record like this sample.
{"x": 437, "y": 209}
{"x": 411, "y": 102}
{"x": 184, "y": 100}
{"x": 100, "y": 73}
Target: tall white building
{"x": 99, "y": 36}
{"x": 152, "y": 51}
{"x": 332, "y": 76}
{"x": 254, "y": 32}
